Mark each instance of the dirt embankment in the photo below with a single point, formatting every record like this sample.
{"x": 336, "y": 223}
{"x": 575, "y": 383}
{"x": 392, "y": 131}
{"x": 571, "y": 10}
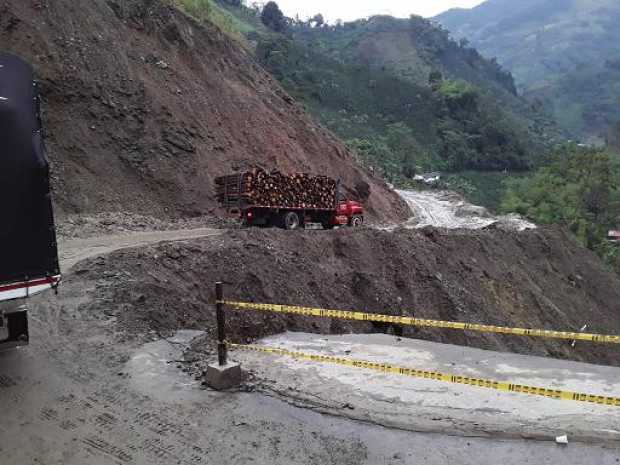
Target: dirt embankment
{"x": 539, "y": 278}
{"x": 143, "y": 107}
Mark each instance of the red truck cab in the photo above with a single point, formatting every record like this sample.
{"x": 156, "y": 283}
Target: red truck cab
{"x": 349, "y": 212}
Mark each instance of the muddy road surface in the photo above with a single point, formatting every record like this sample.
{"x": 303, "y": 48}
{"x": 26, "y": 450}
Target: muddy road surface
{"x": 73, "y": 251}
{"x": 86, "y": 392}
{"x": 449, "y": 210}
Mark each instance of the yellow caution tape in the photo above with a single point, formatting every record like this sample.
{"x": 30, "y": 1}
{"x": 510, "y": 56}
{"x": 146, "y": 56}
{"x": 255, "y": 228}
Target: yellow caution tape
{"x": 434, "y": 375}
{"x": 403, "y": 320}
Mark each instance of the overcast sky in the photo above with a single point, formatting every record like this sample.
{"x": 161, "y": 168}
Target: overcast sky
{"x": 348, "y": 10}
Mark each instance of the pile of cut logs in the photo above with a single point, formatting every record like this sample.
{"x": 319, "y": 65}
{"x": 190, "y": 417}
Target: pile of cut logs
{"x": 275, "y": 189}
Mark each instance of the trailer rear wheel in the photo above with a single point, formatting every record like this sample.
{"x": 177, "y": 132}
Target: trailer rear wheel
{"x": 356, "y": 221}
{"x": 290, "y": 221}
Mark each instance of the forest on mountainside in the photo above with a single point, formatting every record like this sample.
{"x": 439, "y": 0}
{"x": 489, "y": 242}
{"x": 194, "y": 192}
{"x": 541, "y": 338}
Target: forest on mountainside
{"x": 562, "y": 53}
{"x": 578, "y": 188}
{"x": 401, "y": 93}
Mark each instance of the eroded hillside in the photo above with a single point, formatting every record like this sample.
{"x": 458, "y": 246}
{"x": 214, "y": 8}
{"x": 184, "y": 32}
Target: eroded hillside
{"x": 537, "y": 279}
{"x": 143, "y": 107}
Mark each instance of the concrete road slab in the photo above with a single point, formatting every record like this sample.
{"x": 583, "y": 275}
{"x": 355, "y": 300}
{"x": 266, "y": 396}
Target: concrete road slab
{"x": 427, "y": 405}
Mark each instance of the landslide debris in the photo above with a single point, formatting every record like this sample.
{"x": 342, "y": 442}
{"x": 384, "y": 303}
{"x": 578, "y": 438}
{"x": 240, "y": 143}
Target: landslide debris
{"x": 537, "y": 278}
{"x": 144, "y": 107}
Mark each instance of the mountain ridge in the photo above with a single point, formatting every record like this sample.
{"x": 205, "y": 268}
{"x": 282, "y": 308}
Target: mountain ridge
{"x": 369, "y": 81}
{"x": 559, "y": 52}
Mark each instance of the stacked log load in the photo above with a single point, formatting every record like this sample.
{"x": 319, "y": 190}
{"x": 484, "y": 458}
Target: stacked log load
{"x": 275, "y": 189}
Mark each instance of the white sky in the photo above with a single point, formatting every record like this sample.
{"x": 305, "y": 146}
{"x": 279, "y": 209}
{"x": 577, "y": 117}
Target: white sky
{"x": 349, "y": 10}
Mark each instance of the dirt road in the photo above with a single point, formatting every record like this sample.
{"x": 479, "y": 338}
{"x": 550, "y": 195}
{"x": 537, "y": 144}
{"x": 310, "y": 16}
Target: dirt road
{"x": 73, "y": 251}
{"x": 444, "y": 209}
{"x": 85, "y": 392}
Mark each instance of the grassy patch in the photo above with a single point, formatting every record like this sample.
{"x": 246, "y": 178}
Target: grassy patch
{"x": 208, "y": 10}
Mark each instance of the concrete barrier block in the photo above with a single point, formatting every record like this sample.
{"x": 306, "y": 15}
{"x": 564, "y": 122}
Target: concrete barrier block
{"x": 223, "y": 377}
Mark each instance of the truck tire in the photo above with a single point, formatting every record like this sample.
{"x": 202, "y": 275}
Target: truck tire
{"x": 14, "y": 329}
{"x": 290, "y": 221}
{"x": 356, "y": 221}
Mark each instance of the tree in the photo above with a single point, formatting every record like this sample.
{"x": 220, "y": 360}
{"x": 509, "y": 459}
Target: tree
{"x": 578, "y": 190}
{"x": 435, "y": 78}
{"x": 256, "y": 7}
{"x": 273, "y": 18}
{"x": 317, "y": 20}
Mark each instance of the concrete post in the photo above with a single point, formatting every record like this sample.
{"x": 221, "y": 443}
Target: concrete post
{"x": 224, "y": 375}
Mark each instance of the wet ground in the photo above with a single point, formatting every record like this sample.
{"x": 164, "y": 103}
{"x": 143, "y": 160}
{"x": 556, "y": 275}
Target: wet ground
{"x": 445, "y": 209}
{"x": 427, "y": 405}
{"x": 107, "y": 406}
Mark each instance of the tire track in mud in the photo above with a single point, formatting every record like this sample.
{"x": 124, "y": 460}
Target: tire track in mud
{"x": 6, "y": 381}
{"x": 99, "y": 419}
{"x": 83, "y": 405}
{"x": 117, "y": 425}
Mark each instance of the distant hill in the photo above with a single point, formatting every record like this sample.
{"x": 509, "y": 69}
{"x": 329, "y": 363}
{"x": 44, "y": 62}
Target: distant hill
{"x": 565, "y": 53}
{"x": 403, "y": 94}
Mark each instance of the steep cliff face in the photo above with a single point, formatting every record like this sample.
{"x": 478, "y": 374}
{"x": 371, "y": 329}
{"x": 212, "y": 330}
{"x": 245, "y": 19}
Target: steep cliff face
{"x": 143, "y": 107}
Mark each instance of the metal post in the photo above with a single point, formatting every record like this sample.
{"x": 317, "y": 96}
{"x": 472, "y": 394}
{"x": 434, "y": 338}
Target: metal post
{"x": 221, "y": 324}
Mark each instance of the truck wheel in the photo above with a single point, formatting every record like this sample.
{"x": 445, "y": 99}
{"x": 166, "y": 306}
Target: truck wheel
{"x": 356, "y": 221}
{"x": 291, "y": 221}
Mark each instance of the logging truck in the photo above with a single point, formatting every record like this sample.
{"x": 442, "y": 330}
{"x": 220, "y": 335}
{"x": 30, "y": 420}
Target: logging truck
{"x": 28, "y": 252}
{"x": 288, "y": 201}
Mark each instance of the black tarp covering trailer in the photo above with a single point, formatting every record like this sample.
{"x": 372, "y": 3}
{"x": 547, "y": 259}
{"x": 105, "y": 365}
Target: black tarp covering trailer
{"x": 28, "y": 250}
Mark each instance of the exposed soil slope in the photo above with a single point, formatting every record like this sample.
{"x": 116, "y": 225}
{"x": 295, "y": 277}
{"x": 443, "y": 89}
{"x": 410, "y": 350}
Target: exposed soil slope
{"x": 144, "y": 107}
{"x": 539, "y": 278}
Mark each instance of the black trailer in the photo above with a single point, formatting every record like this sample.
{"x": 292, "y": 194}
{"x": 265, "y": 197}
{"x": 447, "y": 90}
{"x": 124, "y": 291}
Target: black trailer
{"x": 28, "y": 249}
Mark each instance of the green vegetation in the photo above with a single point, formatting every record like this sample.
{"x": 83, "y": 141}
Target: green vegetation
{"x": 461, "y": 114}
{"x": 396, "y": 153}
{"x": 458, "y": 93}
{"x": 586, "y": 102}
{"x": 579, "y": 189}
{"x": 562, "y": 53}
{"x": 209, "y": 10}
{"x": 200, "y": 9}
{"x": 486, "y": 188}
{"x": 273, "y": 18}
{"x": 400, "y": 92}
